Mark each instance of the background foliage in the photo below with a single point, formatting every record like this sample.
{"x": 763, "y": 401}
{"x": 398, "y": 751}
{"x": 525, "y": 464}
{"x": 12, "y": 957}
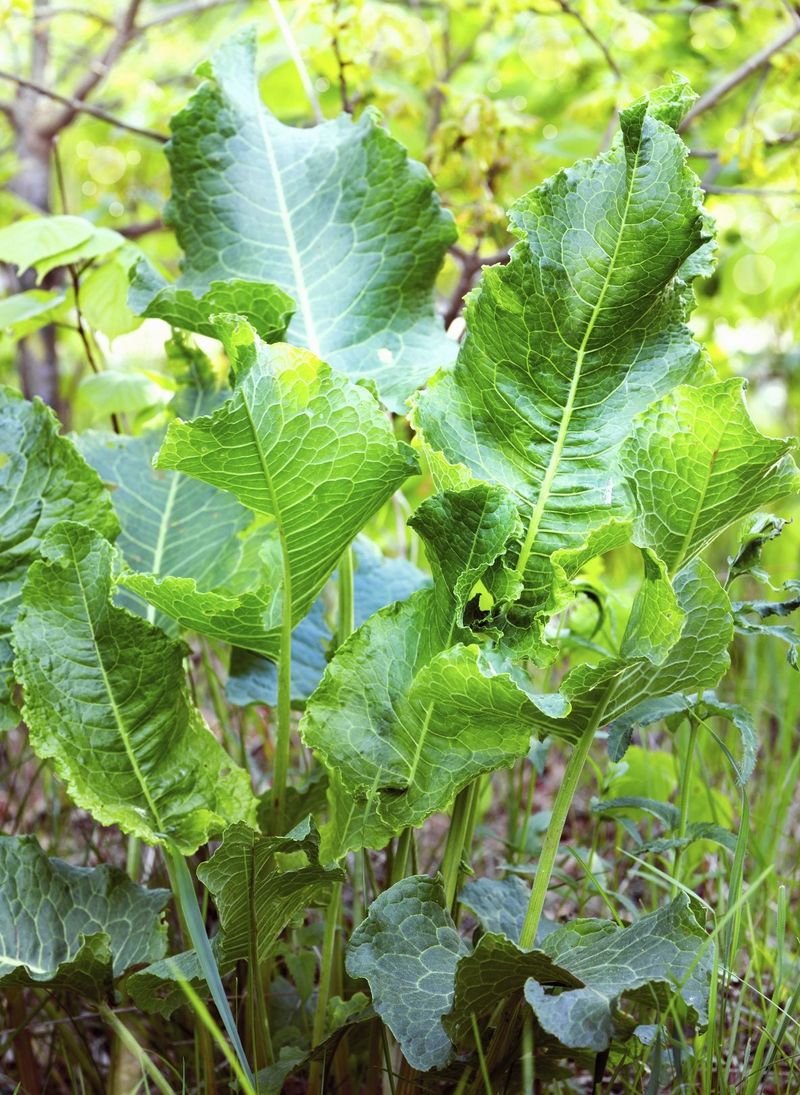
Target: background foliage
{"x": 493, "y": 98}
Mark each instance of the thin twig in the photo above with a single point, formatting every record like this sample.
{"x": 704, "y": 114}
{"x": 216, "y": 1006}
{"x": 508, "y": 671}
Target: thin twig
{"x": 178, "y": 11}
{"x": 739, "y": 75}
{"x": 83, "y": 108}
{"x": 471, "y": 263}
{"x": 97, "y": 71}
{"x": 567, "y": 8}
{"x": 50, "y": 13}
{"x": 759, "y": 191}
{"x": 143, "y": 228}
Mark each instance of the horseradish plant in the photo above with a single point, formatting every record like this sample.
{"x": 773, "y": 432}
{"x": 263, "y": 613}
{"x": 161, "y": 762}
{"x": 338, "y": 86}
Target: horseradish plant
{"x": 578, "y": 418}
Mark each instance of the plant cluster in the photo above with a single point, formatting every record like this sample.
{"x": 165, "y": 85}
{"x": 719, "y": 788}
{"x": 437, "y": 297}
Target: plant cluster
{"x": 579, "y": 420}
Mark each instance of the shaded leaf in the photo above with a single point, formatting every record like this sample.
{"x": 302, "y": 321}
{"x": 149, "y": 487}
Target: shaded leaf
{"x": 171, "y": 523}
{"x": 255, "y": 900}
{"x": 407, "y": 950}
{"x": 377, "y": 581}
{"x": 72, "y": 927}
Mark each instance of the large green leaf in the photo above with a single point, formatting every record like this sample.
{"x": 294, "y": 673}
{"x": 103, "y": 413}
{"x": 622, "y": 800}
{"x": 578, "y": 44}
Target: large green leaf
{"x": 106, "y": 698}
{"x": 72, "y": 927}
{"x": 337, "y": 216}
{"x": 43, "y": 479}
{"x": 407, "y": 949}
{"x": 410, "y": 710}
{"x": 696, "y": 464}
{"x": 296, "y": 443}
{"x": 578, "y": 333}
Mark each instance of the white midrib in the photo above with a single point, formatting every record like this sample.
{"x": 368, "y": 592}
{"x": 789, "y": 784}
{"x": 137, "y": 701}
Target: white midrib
{"x": 123, "y": 733}
{"x": 158, "y": 552}
{"x": 291, "y": 243}
{"x": 166, "y": 517}
{"x": 566, "y": 417}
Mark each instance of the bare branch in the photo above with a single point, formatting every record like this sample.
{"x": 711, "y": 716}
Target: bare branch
{"x": 739, "y": 75}
{"x": 144, "y": 228}
{"x": 567, "y": 8}
{"x": 83, "y": 108}
{"x": 97, "y": 71}
{"x": 471, "y": 263}
{"x": 46, "y": 15}
{"x": 170, "y": 12}
{"x": 758, "y": 191}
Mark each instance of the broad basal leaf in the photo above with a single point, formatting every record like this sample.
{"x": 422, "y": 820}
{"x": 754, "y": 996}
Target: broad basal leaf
{"x": 72, "y": 927}
{"x": 407, "y": 714}
{"x": 296, "y": 443}
{"x": 106, "y": 699}
{"x": 696, "y": 464}
{"x": 427, "y": 984}
{"x": 500, "y": 905}
{"x": 255, "y": 900}
{"x": 377, "y": 581}
{"x": 337, "y": 216}
{"x": 579, "y": 332}
{"x": 43, "y": 479}
{"x": 665, "y": 953}
{"x": 407, "y": 950}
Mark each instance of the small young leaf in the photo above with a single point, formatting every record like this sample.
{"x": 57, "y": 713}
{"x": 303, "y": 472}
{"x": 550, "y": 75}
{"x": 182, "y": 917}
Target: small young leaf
{"x": 704, "y": 705}
{"x": 266, "y": 307}
{"x": 72, "y": 927}
{"x": 698, "y": 659}
{"x": 44, "y": 243}
{"x": 106, "y": 699}
{"x": 696, "y": 464}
